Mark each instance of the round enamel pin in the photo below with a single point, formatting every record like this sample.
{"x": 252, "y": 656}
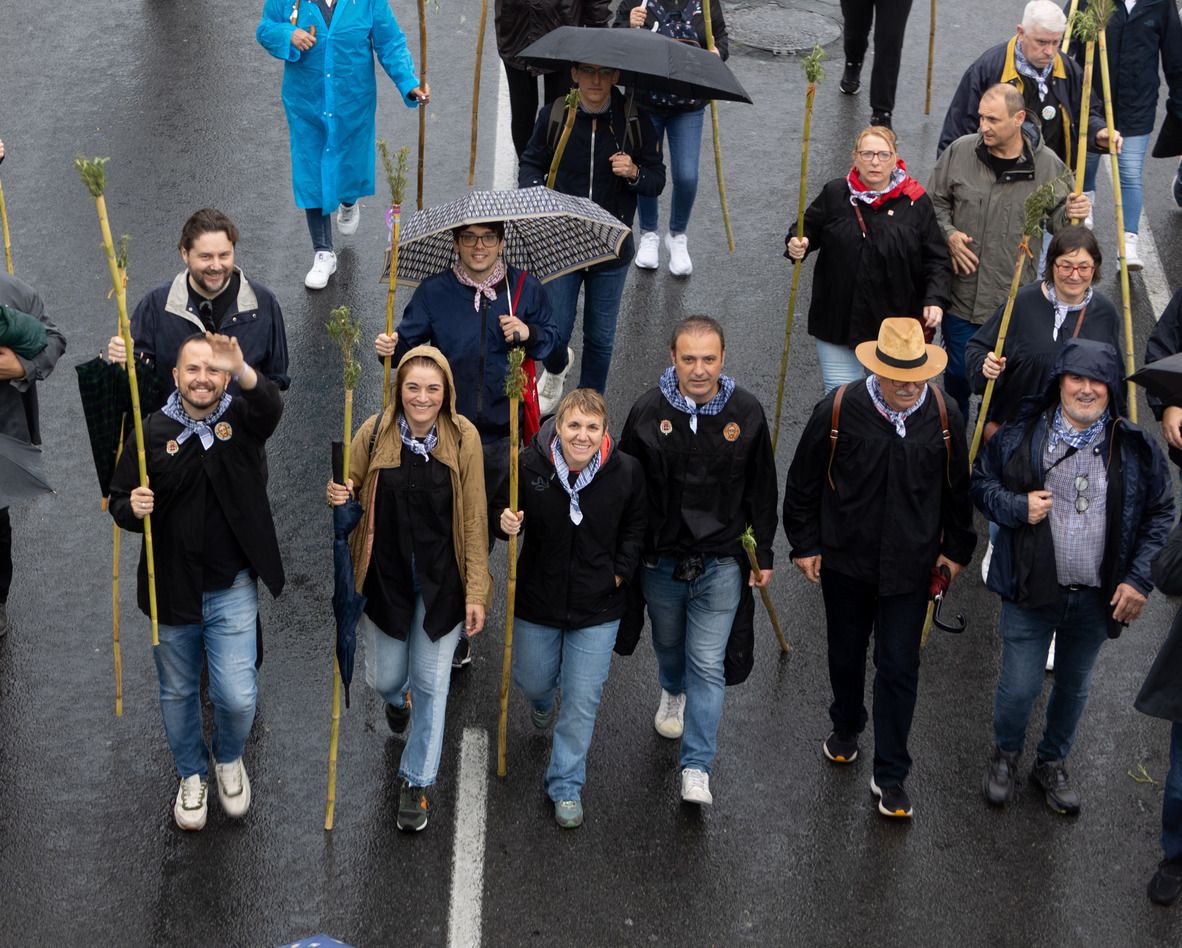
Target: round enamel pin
{"x": 666, "y": 426}
{"x": 731, "y": 432}
{"x": 172, "y": 447}
{"x": 1048, "y": 113}
{"x": 223, "y": 430}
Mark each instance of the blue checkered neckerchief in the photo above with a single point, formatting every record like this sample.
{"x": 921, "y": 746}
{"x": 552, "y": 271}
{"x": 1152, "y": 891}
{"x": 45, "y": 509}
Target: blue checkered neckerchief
{"x": 1061, "y": 430}
{"x": 563, "y": 472}
{"x": 1062, "y": 309}
{"x": 422, "y": 447}
{"x": 1030, "y": 72}
{"x": 896, "y": 418}
{"x": 726, "y": 388}
{"x": 202, "y": 427}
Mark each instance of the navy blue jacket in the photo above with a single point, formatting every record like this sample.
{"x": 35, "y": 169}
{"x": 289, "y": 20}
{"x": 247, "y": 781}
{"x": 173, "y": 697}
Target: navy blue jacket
{"x": 1165, "y": 340}
{"x": 442, "y": 313}
{"x": 1140, "y": 506}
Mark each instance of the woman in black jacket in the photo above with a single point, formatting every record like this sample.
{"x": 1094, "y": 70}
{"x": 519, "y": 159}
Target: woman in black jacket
{"x": 583, "y": 518}
{"x": 880, "y": 253}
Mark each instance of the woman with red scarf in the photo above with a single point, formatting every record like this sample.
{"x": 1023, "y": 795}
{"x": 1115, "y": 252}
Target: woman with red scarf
{"x": 880, "y": 254}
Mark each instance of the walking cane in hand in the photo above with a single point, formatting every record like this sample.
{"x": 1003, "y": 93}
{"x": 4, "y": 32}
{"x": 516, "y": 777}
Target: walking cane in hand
{"x": 726, "y": 217}
{"x": 748, "y": 540}
{"x": 515, "y": 389}
{"x": 396, "y": 179}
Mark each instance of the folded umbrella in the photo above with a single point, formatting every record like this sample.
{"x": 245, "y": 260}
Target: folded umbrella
{"x": 23, "y": 334}
{"x": 20, "y": 471}
{"x": 347, "y": 603}
{"x": 1162, "y": 378}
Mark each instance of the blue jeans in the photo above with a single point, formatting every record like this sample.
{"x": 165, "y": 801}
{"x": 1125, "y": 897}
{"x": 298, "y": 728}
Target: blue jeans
{"x": 684, "y": 130}
{"x": 602, "y": 291}
{"x": 577, "y": 661}
{"x": 225, "y": 640}
{"x": 956, "y": 333}
{"x": 1130, "y": 163}
{"x": 691, "y": 624}
{"x": 1171, "y": 806}
{"x": 319, "y": 228}
{"x": 839, "y": 364}
{"x": 424, "y": 667}
{"x": 1079, "y": 622}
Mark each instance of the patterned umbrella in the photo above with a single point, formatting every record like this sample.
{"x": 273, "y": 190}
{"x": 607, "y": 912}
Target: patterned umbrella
{"x": 547, "y": 233}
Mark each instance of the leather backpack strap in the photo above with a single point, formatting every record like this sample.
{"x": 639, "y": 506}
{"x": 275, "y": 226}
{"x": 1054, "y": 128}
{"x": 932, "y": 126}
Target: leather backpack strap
{"x": 1079, "y": 321}
{"x": 834, "y": 421}
{"x": 945, "y": 431}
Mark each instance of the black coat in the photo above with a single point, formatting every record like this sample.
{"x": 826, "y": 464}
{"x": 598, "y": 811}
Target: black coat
{"x": 1161, "y": 694}
{"x": 1165, "y": 340}
{"x": 521, "y": 22}
{"x": 897, "y": 269}
{"x": 566, "y": 573}
{"x": 899, "y": 503}
{"x": 1030, "y": 349}
{"x": 235, "y": 467}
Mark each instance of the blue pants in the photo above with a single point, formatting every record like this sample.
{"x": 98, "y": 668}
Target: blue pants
{"x": 225, "y": 640}
{"x": 1171, "y": 807}
{"x": 1130, "y": 163}
{"x": 684, "y": 131}
{"x": 839, "y": 364}
{"x": 577, "y": 662}
{"x": 602, "y": 291}
{"x": 956, "y": 333}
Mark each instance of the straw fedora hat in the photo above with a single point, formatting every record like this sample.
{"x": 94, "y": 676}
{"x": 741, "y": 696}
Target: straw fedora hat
{"x": 900, "y": 352}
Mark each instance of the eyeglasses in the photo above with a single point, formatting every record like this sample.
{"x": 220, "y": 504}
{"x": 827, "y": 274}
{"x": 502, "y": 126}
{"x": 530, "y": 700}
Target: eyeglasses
{"x": 603, "y": 72}
{"x": 1066, "y": 268}
{"x": 871, "y": 155}
{"x": 488, "y": 239}
{"x": 1081, "y": 485}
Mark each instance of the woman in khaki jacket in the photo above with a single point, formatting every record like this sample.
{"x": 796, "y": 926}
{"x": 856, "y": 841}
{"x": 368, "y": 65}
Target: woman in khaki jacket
{"x": 420, "y": 556}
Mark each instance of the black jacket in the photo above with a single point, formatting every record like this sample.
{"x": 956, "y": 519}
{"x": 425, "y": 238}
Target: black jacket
{"x": 1030, "y": 350}
{"x": 898, "y": 503}
{"x": 590, "y": 175}
{"x": 1140, "y": 503}
{"x": 1161, "y": 693}
{"x": 566, "y": 573}
{"x": 900, "y": 266}
{"x": 1165, "y": 340}
{"x": 521, "y": 22}
{"x": 234, "y": 466}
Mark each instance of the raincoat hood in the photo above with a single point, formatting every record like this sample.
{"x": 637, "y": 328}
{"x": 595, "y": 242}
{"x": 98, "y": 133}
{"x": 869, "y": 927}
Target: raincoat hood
{"x": 427, "y": 352}
{"x": 1091, "y": 359}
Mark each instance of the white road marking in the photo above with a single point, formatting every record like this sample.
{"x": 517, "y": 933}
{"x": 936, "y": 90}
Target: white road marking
{"x": 504, "y": 156}
{"x": 467, "y": 867}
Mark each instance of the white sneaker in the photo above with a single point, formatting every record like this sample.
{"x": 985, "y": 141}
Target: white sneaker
{"x": 985, "y": 563}
{"x": 348, "y": 218}
{"x": 233, "y": 788}
{"x": 323, "y": 266}
{"x": 1091, "y": 218}
{"x": 190, "y": 809}
{"x": 670, "y": 718}
{"x": 1051, "y": 656}
{"x": 1132, "y": 261}
{"x": 680, "y": 264}
{"x": 550, "y": 386}
{"x": 695, "y": 787}
{"x": 648, "y": 253}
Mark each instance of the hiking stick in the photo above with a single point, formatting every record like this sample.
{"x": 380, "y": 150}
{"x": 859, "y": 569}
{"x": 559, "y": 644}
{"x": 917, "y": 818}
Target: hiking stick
{"x": 1065, "y": 45}
{"x": 726, "y": 217}
{"x": 476, "y": 90}
{"x": 4, "y": 227}
{"x": 572, "y": 107}
{"x": 396, "y": 179}
{"x": 927, "y": 100}
{"x": 422, "y": 106}
{"x": 747, "y": 538}
{"x": 515, "y": 389}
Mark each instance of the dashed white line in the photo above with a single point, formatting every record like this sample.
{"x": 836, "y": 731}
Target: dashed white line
{"x": 467, "y": 868}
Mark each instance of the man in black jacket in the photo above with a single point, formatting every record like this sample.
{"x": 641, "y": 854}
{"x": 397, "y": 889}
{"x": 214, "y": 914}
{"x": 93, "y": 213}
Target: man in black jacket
{"x": 1166, "y": 340}
{"x": 212, "y": 536}
{"x": 709, "y": 472}
{"x": 876, "y": 505}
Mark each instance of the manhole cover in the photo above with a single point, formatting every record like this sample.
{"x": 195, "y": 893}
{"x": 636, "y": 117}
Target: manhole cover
{"x": 780, "y": 31}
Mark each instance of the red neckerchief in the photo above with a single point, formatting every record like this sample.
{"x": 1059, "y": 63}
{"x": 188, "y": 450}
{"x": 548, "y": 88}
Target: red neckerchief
{"x": 908, "y": 187}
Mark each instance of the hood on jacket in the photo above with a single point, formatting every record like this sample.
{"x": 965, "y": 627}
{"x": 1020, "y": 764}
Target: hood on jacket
{"x": 1087, "y": 357}
{"x": 428, "y": 352}
{"x": 545, "y": 436}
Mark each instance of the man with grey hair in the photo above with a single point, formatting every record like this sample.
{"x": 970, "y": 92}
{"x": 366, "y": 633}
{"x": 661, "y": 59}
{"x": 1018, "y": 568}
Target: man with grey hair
{"x": 1050, "y": 84}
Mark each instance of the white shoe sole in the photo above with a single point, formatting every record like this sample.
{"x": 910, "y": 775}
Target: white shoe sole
{"x": 893, "y": 814}
{"x": 318, "y": 281}
{"x": 699, "y": 796}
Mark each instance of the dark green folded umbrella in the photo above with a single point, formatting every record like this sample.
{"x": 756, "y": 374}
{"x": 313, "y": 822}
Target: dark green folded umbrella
{"x": 23, "y": 334}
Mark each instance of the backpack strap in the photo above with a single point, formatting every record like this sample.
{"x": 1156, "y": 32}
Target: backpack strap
{"x": 945, "y": 431}
{"x": 834, "y": 422}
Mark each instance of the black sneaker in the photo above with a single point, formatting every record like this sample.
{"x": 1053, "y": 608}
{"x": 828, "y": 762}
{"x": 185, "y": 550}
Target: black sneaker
{"x": 881, "y": 118}
{"x": 841, "y": 748}
{"x": 1001, "y": 778}
{"x": 412, "y": 808}
{"x": 892, "y": 800}
{"x": 851, "y": 79}
{"x": 1166, "y": 885}
{"x": 462, "y": 657}
{"x": 398, "y": 718}
{"x": 1051, "y": 777}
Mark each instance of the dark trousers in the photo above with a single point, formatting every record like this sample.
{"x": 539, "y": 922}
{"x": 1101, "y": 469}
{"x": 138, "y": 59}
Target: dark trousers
{"x": 854, "y": 609}
{"x": 5, "y": 554}
{"x": 523, "y": 100}
{"x": 890, "y": 21}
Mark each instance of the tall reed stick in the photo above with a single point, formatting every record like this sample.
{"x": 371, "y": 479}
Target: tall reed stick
{"x": 927, "y": 99}
{"x": 4, "y": 227}
{"x": 476, "y": 90}
{"x": 572, "y": 108}
{"x": 422, "y": 106}
{"x": 515, "y": 389}
{"x": 747, "y": 538}
{"x": 726, "y": 216}
{"x": 396, "y": 179}
{"x": 1066, "y": 44}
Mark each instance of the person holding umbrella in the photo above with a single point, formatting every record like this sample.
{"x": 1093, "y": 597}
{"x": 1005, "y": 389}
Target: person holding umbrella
{"x": 582, "y": 516}
{"x": 420, "y": 557}
{"x": 880, "y": 252}
{"x": 329, "y": 96}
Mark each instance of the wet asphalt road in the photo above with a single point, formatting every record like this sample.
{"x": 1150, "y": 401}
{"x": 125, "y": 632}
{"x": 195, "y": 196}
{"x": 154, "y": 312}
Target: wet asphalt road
{"x": 186, "y": 104}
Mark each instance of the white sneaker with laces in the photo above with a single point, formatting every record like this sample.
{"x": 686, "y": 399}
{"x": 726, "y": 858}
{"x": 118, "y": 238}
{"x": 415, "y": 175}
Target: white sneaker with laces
{"x": 348, "y": 218}
{"x": 648, "y": 252}
{"x": 1051, "y": 656}
{"x": 670, "y": 717}
{"x": 233, "y": 787}
{"x": 191, "y": 808}
{"x": 550, "y": 386}
{"x": 1131, "y": 259}
{"x": 1091, "y": 218}
{"x": 679, "y": 259}
{"x": 324, "y": 265}
{"x": 695, "y": 787}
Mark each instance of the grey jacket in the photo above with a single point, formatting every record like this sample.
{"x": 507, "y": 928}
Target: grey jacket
{"x": 969, "y": 197}
{"x": 18, "y": 397}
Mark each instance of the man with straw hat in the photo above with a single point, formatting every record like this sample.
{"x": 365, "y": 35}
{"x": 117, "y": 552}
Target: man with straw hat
{"x": 876, "y": 502}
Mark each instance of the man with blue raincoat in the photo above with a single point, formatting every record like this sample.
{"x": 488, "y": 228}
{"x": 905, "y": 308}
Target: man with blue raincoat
{"x": 330, "y": 96}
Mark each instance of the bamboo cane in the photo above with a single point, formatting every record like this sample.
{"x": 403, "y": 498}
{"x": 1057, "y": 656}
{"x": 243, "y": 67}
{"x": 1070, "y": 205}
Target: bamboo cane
{"x": 476, "y": 90}
{"x": 572, "y": 106}
{"x": 4, "y": 227}
{"x": 93, "y": 174}
{"x": 812, "y": 70}
{"x": 422, "y": 106}
{"x": 927, "y": 101}
{"x": 116, "y": 651}
{"x": 1084, "y": 108}
{"x": 747, "y": 538}
{"x": 344, "y": 331}
{"x": 515, "y": 389}
{"x": 726, "y": 216}
{"x": 396, "y": 179}
{"x": 1067, "y": 33}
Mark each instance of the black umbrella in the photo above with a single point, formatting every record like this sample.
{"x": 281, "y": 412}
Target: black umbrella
{"x": 347, "y": 602}
{"x": 1162, "y": 378}
{"x": 1169, "y": 139}
{"x": 646, "y": 60}
{"x": 20, "y": 471}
